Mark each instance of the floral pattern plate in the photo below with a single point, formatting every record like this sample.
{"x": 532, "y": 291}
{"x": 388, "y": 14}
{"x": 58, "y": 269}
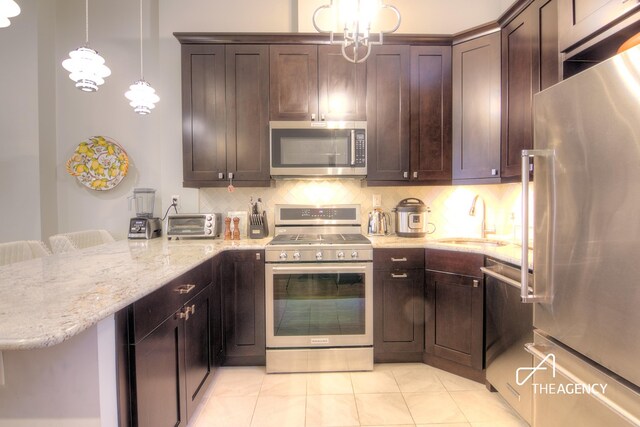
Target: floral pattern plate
{"x": 99, "y": 163}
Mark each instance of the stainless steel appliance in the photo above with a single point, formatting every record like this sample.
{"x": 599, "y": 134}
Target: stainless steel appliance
{"x": 585, "y": 292}
{"x": 411, "y": 218}
{"x": 379, "y": 223}
{"x": 318, "y": 149}
{"x": 200, "y": 225}
{"x": 319, "y": 291}
{"x": 508, "y": 327}
{"x": 144, "y": 225}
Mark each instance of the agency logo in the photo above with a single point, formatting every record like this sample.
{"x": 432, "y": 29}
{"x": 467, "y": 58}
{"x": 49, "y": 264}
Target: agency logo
{"x": 524, "y": 374}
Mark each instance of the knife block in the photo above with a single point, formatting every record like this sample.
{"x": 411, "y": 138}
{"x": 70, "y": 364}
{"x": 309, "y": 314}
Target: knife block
{"x": 259, "y": 231}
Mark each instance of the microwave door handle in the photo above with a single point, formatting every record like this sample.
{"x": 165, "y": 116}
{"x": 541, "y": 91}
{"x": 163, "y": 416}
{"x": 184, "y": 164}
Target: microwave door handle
{"x": 353, "y": 147}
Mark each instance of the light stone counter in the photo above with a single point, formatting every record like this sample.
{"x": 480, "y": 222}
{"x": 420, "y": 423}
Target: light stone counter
{"x": 48, "y": 300}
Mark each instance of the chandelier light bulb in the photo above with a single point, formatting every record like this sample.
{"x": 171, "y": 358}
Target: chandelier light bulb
{"x": 142, "y": 96}
{"x": 86, "y": 68}
{"x": 8, "y": 9}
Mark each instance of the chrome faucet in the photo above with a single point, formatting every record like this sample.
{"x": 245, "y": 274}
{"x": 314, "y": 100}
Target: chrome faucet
{"x": 472, "y": 212}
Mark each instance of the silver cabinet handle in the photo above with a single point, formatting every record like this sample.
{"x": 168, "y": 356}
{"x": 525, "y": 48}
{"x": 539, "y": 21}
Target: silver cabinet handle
{"x": 525, "y": 295}
{"x": 313, "y": 117}
{"x": 405, "y": 174}
{"x": 544, "y": 357}
{"x": 399, "y": 276}
{"x": 184, "y": 289}
{"x": 494, "y": 172}
{"x": 415, "y": 174}
{"x": 476, "y": 283}
{"x": 220, "y": 175}
{"x": 403, "y": 259}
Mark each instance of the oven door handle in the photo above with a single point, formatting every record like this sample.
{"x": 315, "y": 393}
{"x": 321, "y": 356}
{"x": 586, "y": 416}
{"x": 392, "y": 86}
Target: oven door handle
{"x": 333, "y": 268}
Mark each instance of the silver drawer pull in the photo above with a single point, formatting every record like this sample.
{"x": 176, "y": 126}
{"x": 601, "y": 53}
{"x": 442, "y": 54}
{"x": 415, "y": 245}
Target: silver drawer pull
{"x": 399, "y": 276}
{"x": 185, "y": 289}
{"x": 403, "y": 259}
{"x": 185, "y": 312}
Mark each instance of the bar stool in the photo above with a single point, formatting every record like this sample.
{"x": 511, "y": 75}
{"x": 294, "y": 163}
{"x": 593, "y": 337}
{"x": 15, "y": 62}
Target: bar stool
{"x": 22, "y": 250}
{"x": 68, "y": 242}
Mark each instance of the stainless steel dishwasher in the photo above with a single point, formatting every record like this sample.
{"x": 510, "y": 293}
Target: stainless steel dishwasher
{"x": 508, "y": 327}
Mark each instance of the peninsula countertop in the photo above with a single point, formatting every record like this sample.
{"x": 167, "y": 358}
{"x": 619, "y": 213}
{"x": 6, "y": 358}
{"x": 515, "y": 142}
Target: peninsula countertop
{"x": 48, "y": 300}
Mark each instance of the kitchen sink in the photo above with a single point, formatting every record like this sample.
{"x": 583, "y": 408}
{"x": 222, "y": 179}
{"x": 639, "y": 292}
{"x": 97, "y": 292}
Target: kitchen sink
{"x": 472, "y": 241}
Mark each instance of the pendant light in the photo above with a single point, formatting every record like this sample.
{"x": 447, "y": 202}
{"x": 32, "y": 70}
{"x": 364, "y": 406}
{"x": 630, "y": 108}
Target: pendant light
{"x": 142, "y": 96}
{"x": 8, "y": 9}
{"x": 355, "y": 18}
{"x": 86, "y": 67}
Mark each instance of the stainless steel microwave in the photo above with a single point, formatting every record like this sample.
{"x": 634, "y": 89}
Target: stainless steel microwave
{"x": 316, "y": 149}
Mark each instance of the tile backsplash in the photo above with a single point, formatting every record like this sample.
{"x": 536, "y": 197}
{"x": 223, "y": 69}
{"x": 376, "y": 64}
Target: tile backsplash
{"x": 449, "y": 204}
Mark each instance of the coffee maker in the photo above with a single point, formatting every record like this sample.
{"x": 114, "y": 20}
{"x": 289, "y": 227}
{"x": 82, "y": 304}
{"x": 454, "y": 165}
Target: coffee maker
{"x": 144, "y": 225}
{"x": 379, "y": 223}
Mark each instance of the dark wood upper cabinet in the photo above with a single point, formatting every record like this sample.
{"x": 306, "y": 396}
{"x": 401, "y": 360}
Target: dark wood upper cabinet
{"x": 293, "y": 82}
{"x": 203, "y": 112}
{"x": 430, "y": 152}
{"x": 342, "y": 86}
{"x": 476, "y": 110}
{"x": 530, "y": 61}
{"x": 247, "y": 84}
{"x": 582, "y": 19}
{"x": 388, "y": 100}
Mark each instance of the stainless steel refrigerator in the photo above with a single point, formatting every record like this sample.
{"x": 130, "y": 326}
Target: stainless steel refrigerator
{"x": 586, "y": 259}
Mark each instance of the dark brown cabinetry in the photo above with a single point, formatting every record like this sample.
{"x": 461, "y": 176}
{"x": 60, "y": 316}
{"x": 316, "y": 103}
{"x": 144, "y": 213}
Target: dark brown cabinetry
{"x": 225, "y": 108}
{"x": 476, "y": 110}
{"x": 582, "y": 19}
{"x": 388, "y": 120}
{"x": 530, "y": 63}
{"x": 170, "y": 350}
{"x": 242, "y": 277}
{"x": 398, "y": 301}
{"x": 454, "y": 312}
{"x": 309, "y": 82}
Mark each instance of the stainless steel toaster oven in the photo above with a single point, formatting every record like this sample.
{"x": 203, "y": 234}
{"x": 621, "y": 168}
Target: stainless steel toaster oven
{"x": 199, "y": 225}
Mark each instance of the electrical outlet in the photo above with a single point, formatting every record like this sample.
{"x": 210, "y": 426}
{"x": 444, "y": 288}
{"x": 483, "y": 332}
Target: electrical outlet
{"x": 377, "y": 200}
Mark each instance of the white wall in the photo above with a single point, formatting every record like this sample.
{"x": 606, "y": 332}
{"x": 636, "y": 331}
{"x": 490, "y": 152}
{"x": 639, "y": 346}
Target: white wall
{"x": 44, "y": 117}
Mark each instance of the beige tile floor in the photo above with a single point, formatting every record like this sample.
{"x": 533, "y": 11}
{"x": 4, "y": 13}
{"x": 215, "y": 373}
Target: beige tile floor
{"x": 409, "y": 394}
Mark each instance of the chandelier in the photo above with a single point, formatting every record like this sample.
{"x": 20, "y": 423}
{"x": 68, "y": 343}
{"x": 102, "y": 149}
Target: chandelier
{"x": 142, "y": 96}
{"x": 8, "y": 9}
{"x": 85, "y": 66}
{"x": 355, "y": 18}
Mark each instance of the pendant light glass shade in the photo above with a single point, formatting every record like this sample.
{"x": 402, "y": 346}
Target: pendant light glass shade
{"x": 85, "y": 66}
{"x": 8, "y": 9}
{"x": 142, "y": 96}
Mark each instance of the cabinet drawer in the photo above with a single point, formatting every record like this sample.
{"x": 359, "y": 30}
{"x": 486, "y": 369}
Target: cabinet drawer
{"x": 151, "y": 310}
{"x": 398, "y": 259}
{"x": 464, "y": 263}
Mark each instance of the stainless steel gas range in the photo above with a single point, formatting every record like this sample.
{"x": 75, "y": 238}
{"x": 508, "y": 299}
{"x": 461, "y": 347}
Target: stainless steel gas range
{"x": 319, "y": 291}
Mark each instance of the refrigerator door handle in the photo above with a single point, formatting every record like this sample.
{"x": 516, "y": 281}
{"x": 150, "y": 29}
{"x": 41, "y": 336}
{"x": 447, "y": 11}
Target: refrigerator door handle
{"x": 548, "y": 358}
{"x": 528, "y": 294}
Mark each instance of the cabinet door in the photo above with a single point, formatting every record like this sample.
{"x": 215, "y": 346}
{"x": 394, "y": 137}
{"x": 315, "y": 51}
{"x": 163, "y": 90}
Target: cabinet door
{"x": 159, "y": 397}
{"x": 247, "y": 81}
{"x": 293, "y": 82}
{"x": 454, "y": 318}
{"x": 342, "y": 86}
{"x": 203, "y": 113}
{"x": 430, "y": 113}
{"x": 580, "y": 19}
{"x": 216, "y": 313}
{"x": 476, "y": 109}
{"x": 243, "y": 293}
{"x": 198, "y": 356}
{"x": 388, "y": 69}
{"x": 398, "y": 328}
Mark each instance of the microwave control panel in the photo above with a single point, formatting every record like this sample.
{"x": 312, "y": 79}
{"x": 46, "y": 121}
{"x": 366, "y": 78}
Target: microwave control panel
{"x": 361, "y": 148}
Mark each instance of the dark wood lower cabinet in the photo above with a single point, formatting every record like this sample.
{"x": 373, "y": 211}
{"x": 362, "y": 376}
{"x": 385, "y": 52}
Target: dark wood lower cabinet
{"x": 242, "y": 277}
{"x": 454, "y": 313}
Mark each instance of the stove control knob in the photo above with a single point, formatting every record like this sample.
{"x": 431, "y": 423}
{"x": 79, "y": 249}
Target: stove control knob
{"x": 296, "y": 255}
{"x": 208, "y": 231}
{"x": 354, "y": 254}
{"x": 340, "y": 255}
{"x": 283, "y": 255}
{"x": 319, "y": 255}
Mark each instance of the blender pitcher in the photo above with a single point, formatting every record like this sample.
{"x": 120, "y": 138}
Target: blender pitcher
{"x": 144, "y": 199}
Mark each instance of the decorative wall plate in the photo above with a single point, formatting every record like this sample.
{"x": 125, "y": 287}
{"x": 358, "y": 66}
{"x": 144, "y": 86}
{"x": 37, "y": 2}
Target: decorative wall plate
{"x": 99, "y": 163}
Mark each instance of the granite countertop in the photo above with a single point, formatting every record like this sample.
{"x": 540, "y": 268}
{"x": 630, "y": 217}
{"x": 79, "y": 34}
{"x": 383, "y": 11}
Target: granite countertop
{"x": 48, "y": 300}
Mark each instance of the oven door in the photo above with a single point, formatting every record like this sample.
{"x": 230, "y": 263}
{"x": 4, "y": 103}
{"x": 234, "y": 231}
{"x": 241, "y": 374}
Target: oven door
{"x": 319, "y": 305}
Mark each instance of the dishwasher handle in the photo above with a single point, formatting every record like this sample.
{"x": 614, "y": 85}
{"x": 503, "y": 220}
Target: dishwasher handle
{"x": 489, "y": 272}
